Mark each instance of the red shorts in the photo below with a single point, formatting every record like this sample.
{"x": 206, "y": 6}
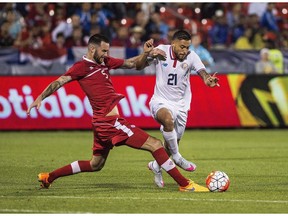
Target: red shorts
{"x": 113, "y": 131}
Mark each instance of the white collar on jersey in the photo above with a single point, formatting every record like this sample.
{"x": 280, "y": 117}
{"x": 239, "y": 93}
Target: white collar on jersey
{"x": 86, "y": 59}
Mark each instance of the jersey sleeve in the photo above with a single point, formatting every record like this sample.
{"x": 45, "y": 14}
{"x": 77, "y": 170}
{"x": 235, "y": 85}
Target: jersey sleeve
{"x": 76, "y": 71}
{"x": 113, "y": 63}
{"x": 197, "y": 64}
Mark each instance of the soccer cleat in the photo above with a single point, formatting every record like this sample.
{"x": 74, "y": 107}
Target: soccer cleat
{"x": 43, "y": 178}
{"x": 157, "y": 175}
{"x": 186, "y": 165}
{"x": 193, "y": 187}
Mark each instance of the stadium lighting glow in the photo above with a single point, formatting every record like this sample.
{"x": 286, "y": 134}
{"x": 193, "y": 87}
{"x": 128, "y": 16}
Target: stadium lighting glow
{"x": 22, "y": 21}
{"x": 69, "y": 20}
{"x": 162, "y": 9}
{"x": 284, "y": 11}
{"x": 186, "y": 21}
{"x": 219, "y": 13}
{"x": 204, "y": 21}
{"x": 123, "y": 21}
{"x": 197, "y": 10}
{"x": 51, "y": 12}
{"x": 180, "y": 10}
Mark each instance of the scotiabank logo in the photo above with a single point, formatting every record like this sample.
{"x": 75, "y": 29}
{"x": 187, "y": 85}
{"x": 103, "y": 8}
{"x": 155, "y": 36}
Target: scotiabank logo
{"x": 137, "y": 103}
{"x": 51, "y": 107}
{"x": 61, "y": 104}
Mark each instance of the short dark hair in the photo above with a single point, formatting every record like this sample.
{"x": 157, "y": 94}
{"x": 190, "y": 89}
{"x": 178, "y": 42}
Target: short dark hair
{"x": 97, "y": 39}
{"x": 181, "y": 35}
{"x": 60, "y": 34}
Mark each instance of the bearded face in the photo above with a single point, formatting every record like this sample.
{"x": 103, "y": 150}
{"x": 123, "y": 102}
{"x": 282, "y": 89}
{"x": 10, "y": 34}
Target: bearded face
{"x": 97, "y": 58}
{"x": 100, "y": 52}
{"x": 181, "y": 48}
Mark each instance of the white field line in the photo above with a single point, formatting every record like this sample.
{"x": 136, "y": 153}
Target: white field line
{"x": 38, "y": 211}
{"x": 121, "y": 198}
{"x": 153, "y": 198}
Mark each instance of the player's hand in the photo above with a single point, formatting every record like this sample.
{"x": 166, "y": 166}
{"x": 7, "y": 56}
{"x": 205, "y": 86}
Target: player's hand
{"x": 159, "y": 54}
{"x": 148, "y": 46}
{"x": 212, "y": 81}
{"x": 36, "y": 103}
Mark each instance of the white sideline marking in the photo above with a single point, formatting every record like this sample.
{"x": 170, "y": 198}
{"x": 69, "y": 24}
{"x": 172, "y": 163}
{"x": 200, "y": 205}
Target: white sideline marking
{"x": 38, "y": 211}
{"x": 153, "y": 198}
{"x": 120, "y": 198}
{"x": 173, "y": 198}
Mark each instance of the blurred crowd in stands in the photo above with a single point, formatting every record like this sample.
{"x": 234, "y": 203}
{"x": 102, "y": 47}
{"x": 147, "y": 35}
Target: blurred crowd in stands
{"x": 52, "y": 29}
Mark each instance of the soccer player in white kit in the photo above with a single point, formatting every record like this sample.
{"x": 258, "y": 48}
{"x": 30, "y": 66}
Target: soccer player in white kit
{"x": 172, "y": 94}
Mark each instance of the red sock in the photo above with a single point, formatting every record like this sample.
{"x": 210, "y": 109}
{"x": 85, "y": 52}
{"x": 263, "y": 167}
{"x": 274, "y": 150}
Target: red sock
{"x": 168, "y": 165}
{"x": 73, "y": 168}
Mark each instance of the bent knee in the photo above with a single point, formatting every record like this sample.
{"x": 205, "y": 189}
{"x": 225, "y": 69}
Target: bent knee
{"x": 96, "y": 168}
{"x": 168, "y": 125}
{"x": 97, "y": 165}
{"x": 158, "y": 144}
{"x": 152, "y": 144}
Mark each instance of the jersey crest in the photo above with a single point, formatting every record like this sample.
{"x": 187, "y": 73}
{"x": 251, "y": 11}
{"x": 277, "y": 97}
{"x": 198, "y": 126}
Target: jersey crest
{"x": 184, "y": 66}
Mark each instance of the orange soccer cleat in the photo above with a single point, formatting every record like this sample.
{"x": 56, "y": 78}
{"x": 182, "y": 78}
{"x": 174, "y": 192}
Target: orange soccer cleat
{"x": 43, "y": 178}
{"x": 193, "y": 187}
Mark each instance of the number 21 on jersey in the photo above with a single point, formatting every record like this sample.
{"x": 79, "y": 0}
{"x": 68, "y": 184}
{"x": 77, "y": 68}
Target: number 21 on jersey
{"x": 172, "y": 79}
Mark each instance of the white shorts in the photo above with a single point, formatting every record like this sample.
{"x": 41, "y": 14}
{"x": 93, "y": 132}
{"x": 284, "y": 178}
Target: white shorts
{"x": 179, "y": 116}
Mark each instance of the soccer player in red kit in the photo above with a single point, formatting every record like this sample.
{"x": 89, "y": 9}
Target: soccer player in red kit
{"x": 110, "y": 129}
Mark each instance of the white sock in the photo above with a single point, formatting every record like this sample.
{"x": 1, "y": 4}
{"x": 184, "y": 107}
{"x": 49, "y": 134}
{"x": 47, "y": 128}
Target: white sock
{"x": 168, "y": 165}
{"x": 171, "y": 140}
{"x": 156, "y": 166}
{"x": 75, "y": 167}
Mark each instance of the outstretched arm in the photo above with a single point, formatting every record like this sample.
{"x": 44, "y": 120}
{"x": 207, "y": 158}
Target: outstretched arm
{"x": 130, "y": 63}
{"x": 139, "y": 62}
{"x": 142, "y": 60}
{"x": 209, "y": 80}
{"x": 149, "y": 51}
{"x": 50, "y": 89}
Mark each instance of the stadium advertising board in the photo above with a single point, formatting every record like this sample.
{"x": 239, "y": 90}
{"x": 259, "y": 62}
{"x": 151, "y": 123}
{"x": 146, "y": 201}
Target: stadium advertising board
{"x": 240, "y": 101}
{"x": 261, "y": 101}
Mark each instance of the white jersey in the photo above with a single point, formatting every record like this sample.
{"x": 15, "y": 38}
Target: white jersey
{"x": 173, "y": 78}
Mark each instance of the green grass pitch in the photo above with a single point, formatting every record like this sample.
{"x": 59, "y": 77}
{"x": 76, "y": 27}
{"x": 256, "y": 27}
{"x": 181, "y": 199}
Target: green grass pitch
{"x": 255, "y": 160}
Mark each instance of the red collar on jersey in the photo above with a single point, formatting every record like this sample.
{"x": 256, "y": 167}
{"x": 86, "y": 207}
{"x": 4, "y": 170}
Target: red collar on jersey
{"x": 172, "y": 54}
{"x": 173, "y": 57}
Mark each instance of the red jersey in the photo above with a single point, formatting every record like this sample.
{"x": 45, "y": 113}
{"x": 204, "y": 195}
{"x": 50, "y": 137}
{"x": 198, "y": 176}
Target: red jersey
{"x": 95, "y": 81}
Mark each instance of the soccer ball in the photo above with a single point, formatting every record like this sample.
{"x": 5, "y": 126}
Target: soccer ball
{"x": 217, "y": 181}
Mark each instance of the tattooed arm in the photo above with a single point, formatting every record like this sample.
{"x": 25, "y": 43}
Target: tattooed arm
{"x": 209, "y": 80}
{"x": 129, "y": 63}
{"x": 50, "y": 89}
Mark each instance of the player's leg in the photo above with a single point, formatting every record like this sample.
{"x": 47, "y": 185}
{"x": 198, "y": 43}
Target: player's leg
{"x": 161, "y": 114}
{"x": 155, "y": 108}
{"x": 156, "y": 148}
{"x": 141, "y": 140}
{"x": 180, "y": 124}
{"x": 100, "y": 154}
{"x": 168, "y": 119}
{"x": 165, "y": 117}
{"x": 157, "y": 170}
{"x": 95, "y": 164}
